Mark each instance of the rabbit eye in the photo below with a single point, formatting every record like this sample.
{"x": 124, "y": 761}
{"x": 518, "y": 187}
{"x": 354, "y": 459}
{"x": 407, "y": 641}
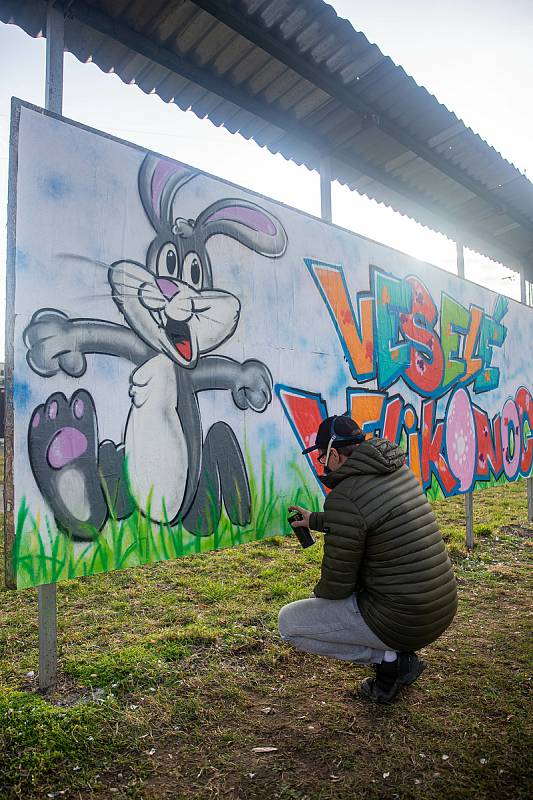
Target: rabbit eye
{"x": 195, "y": 270}
{"x": 171, "y": 262}
{"x": 167, "y": 260}
{"x": 192, "y": 270}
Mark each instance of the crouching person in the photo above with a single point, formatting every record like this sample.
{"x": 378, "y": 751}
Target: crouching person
{"x": 387, "y": 586}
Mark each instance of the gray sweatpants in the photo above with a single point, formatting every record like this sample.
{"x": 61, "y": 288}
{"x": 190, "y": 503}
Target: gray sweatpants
{"x": 333, "y": 628}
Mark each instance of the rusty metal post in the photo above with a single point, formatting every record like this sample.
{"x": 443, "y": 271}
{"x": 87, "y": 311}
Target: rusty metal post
{"x": 55, "y": 45}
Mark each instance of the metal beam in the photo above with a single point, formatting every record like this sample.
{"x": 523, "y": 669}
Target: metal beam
{"x": 233, "y": 16}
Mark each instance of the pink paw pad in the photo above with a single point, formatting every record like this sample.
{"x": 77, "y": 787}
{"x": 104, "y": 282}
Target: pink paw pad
{"x": 67, "y": 445}
{"x": 78, "y": 408}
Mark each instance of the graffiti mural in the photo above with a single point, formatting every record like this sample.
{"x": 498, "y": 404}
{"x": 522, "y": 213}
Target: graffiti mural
{"x": 175, "y": 316}
{"x": 174, "y": 342}
{"x": 399, "y": 334}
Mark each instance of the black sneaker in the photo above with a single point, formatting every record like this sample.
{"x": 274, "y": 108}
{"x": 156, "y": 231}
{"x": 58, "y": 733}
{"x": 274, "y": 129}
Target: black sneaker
{"x": 391, "y": 676}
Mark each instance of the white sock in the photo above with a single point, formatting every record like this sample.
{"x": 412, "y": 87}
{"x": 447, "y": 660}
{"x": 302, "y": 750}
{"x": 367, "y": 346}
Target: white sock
{"x": 390, "y": 655}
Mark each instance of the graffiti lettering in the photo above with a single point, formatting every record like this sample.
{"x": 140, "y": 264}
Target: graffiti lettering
{"x": 393, "y": 333}
{"x": 396, "y": 330}
{"x": 460, "y": 449}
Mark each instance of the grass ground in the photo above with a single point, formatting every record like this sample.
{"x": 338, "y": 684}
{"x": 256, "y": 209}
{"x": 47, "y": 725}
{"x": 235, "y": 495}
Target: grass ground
{"x": 172, "y": 675}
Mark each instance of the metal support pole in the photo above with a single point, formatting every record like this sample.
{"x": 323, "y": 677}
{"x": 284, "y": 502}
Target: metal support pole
{"x": 469, "y": 498}
{"x": 469, "y": 514}
{"x": 460, "y": 259}
{"x": 47, "y": 636}
{"x": 55, "y": 45}
{"x": 523, "y": 296}
{"x": 325, "y": 189}
{"x": 524, "y": 299}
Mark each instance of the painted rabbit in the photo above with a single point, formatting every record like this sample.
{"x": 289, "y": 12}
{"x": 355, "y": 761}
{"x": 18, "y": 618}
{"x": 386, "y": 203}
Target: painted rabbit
{"x": 175, "y": 319}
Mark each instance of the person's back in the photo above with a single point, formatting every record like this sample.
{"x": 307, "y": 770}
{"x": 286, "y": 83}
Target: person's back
{"x": 405, "y": 587}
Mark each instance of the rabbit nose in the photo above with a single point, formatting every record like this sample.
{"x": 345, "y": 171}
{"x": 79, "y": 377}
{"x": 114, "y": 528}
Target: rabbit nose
{"x": 167, "y": 287}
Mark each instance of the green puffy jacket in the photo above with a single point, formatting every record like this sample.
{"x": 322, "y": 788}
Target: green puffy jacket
{"x": 383, "y": 542}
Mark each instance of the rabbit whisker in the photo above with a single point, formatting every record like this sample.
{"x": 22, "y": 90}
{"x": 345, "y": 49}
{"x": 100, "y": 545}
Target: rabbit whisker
{"x": 206, "y": 295}
{"x": 120, "y": 286}
{"x": 104, "y": 265}
{"x": 77, "y": 257}
{"x": 98, "y": 295}
{"x": 146, "y": 287}
{"x": 206, "y": 316}
{"x": 96, "y": 263}
{"x": 131, "y": 276}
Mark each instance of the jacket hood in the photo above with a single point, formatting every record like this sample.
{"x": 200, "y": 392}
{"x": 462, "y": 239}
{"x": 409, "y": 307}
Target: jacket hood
{"x": 373, "y": 457}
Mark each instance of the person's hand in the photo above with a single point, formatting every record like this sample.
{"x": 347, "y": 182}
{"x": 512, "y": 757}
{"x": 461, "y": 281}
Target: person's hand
{"x": 300, "y": 523}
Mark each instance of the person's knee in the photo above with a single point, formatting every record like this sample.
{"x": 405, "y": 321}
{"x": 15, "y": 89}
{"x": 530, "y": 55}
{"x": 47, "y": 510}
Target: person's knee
{"x": 285, "y": 622}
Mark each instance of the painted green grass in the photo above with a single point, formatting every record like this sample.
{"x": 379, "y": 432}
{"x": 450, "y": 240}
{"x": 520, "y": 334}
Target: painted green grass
{"x": 43, "y": 554}
{"x": 434, "y": 491}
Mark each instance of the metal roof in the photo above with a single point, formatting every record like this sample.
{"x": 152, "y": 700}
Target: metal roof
{"x": 299, "y": 80}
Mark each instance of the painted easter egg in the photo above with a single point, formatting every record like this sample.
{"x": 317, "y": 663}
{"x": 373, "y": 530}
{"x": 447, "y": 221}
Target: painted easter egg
{"x": 510, "y": 439}
{"x": 461, "y": 439}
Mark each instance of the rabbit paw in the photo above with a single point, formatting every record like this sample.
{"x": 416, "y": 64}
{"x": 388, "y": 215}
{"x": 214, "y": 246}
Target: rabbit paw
{"x": 62, "y": 445}
{"x": 253, "y": 388}
{"x": 51, "y": 345}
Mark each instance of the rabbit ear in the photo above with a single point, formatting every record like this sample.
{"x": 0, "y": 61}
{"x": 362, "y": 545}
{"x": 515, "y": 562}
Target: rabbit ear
{"x": 159, "y": 180}
{"x": 247, "y": 223}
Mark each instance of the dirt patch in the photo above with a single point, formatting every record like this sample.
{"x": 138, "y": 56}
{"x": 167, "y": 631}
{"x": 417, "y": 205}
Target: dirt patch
{"x": 66, "y": 693}
{"x": 517, "y": 530}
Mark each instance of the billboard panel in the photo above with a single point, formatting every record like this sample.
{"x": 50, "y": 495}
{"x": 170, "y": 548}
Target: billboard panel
{"x": 175, "y": 340}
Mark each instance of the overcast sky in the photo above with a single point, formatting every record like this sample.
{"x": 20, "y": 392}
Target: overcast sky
{"x": 475, "y": 56}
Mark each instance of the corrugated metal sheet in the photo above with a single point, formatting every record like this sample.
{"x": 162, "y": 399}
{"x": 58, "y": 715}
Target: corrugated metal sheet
{"x": 299, "y": 80}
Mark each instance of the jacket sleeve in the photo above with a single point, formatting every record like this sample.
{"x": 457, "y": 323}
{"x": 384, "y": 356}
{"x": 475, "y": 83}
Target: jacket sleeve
{"x": 344, "y": 544}
{"x": 316, "y": 521}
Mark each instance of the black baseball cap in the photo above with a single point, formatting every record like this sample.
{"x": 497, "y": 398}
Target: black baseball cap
{"x": 343, "y": 430}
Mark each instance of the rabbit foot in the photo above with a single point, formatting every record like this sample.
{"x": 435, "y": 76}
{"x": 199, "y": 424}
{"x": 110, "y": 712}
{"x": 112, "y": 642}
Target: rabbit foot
{"x": 113, "y": 479}
{"x": 62, "y": 445}
{"x": 223, "y": 478}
